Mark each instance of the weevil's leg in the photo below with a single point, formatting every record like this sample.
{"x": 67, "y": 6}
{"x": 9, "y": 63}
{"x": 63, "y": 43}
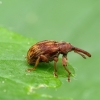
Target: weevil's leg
{"x": 36, "y": 63}
{"x": 64, "y": 62}
{"x": 55, "y": 67}
{"x": 44, "y": 58}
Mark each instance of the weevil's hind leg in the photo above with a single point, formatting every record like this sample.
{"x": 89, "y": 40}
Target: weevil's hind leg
{"x": 36, "y": 63}
{"x": 64, "y": 62}
{"x": 55, "y": 67}
{"x": 44, "y": 58}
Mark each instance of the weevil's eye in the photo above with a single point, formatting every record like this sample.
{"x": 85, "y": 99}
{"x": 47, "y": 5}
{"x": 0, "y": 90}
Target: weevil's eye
{"x": 70, "y": 43}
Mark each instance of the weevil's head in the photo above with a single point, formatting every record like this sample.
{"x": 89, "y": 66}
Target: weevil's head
{"x": 66, "y": 47}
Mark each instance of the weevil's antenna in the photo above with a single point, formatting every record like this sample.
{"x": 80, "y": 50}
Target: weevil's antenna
{"x": 80, "y": 51}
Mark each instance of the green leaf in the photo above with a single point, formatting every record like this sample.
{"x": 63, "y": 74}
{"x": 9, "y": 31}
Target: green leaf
{"x": 15, "y": 82}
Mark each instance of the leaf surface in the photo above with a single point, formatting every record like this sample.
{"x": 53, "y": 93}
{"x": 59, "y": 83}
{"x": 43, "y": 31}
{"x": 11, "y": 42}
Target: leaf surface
{"x": 14, "y": 80}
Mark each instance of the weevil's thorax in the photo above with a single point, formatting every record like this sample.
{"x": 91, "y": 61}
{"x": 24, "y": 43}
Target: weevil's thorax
{"x": 65, "y": 47}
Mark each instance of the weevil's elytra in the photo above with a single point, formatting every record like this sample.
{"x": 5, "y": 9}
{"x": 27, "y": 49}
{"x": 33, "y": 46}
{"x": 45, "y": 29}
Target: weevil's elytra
{"x": 49, "y": 50}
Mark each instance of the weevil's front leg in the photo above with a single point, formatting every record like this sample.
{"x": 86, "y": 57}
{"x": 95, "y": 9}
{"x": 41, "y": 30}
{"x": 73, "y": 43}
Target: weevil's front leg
{"x": 64, "y": 62}
{"x": 55, "y": 67}
{"x": 36, "y": 63}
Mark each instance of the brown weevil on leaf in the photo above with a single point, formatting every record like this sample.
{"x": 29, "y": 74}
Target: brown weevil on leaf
{"x": 49, "y": 50}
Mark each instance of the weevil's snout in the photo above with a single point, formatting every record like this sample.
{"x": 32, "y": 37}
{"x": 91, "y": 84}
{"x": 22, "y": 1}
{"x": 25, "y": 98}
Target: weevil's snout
{"x": 81, "y": 52}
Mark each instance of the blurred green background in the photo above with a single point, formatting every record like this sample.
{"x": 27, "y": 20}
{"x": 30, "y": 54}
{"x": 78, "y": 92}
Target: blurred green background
{"x": 74, "y": 21}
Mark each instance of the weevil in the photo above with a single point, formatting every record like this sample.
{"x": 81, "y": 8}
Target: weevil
{"x": 49, "y": 50}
